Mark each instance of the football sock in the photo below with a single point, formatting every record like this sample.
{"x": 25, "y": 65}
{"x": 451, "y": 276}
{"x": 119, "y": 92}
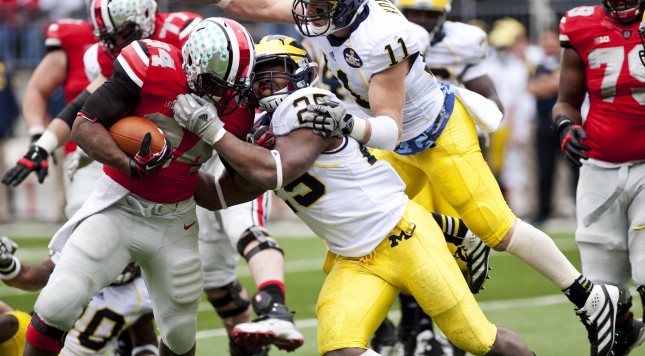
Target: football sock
{"x": 275, "y": 289}
{"x": 540, "y": 252}
{"x": 454, "y": 230}
{"x": 579, "y": 291}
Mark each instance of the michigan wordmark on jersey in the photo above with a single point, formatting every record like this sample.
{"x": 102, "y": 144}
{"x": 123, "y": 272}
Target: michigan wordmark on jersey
{"x": 347, "y": 197}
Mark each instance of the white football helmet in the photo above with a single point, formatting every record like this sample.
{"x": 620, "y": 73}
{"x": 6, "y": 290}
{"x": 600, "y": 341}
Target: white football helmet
{"x": 219, "y": 56}
{"x": 117, "y": 23}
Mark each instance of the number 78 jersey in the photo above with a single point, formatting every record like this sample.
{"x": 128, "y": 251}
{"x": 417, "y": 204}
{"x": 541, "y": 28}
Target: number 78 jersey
{"x": 615, "y": 81}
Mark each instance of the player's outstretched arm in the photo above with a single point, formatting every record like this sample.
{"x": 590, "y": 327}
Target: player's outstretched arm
{"x": 272, "y": 11}
{"x": 57, "y": 133}
{"x": 50, "y": 74}
{"x": 25, "y": 277}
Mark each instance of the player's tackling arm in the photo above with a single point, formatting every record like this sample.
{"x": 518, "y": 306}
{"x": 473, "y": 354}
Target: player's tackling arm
{"x": 32, "y": 277}
{"x": 273, "y": 11}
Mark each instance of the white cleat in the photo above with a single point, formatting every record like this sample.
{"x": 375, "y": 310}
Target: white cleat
{"x": 599, "y": 317}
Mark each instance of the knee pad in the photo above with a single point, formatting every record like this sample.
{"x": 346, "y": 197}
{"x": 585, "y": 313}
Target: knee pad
{"x": 45, "y": 337}
{"x": 62, "y": 301}
{"x": 258, "y": 234}
{"x": 233, "y": 294}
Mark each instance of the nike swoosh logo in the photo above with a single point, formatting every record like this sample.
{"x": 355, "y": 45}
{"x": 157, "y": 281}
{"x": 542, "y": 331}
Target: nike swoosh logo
{"x": 186, "y": 227}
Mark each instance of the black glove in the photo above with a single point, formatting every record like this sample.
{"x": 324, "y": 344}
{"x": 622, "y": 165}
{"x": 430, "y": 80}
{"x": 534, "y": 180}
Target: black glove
{"x": 262, "y": 136}
{"x": 570, "y": 140}
{"x": 146, "y": 162}
{"x": 34, "y": 160}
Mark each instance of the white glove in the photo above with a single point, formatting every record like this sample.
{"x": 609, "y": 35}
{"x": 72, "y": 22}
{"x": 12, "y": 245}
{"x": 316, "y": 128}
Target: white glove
{"x": 329, "y": 118}
{"x": 78, "y": 159}
{"x": 7, "y": 249}
{"x": 199, "y": 116}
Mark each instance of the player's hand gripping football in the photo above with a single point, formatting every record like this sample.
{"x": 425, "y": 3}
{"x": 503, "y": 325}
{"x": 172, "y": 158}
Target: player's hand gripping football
{"x": 34, "y": 161}
{"x": 328, "y": 118}
{"x": 570, "y": 136}
{"x": 146, "y": 162}
{"x": 262, "y": 136}
{"x": 199, "y": 116}
{"x": 7, "y": 249}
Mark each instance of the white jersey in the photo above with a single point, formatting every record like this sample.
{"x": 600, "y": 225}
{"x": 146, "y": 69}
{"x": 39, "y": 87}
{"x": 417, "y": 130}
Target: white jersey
{"x": 347, "y": 197}
{"x": 380, "y": 38}
{"x": 326, "y": 80}
{"x": 110, "y": 312}
{"x": 457, "y": 52}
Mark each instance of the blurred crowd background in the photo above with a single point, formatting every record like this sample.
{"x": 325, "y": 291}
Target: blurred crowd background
{"x": 523, "y": 60}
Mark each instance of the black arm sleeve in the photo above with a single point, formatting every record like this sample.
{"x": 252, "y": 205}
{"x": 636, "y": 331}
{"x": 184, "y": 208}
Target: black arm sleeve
{"x": 69, "y": 112}
{"x": 111, "y": 101}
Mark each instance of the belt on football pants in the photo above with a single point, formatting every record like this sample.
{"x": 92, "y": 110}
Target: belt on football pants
{"x": 620, "y": 187}
{"x": 148, "y": 208}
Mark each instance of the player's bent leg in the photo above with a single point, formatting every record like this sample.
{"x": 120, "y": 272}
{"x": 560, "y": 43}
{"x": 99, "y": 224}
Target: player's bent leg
{"x": 173, "y": 273}
{"x": 352, "y": 302}
{"x": 274, "y": 323}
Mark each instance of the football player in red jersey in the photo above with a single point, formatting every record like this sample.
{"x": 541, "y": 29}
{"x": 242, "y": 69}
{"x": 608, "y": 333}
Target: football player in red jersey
{"x": 66, "y": 42}
{"x": 601, "y": 56}
{"x": 143, "y": 207}
{"x": 115, "y": 24}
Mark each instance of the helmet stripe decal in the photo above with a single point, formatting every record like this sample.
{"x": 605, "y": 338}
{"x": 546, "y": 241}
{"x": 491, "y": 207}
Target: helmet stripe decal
{"x": 244, "y": 59}
{"x": 228, "y": 40}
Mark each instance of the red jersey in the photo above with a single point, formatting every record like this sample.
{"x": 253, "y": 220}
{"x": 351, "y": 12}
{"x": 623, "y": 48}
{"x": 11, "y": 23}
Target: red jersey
{"x": 172, "y": 28}
{"x": 615, "y": 124}
{"x": 154, "y": 69}
{"x": 73, "y": 37}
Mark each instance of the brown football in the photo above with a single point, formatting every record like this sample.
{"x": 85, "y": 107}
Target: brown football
{"x": 129, "y": 131}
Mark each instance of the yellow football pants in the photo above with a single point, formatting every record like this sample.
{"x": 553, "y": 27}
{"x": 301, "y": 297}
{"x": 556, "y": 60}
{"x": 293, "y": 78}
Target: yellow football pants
{"x": 16, "y": 344}
{"x": 358, "y": 292}
{"x": 456, "y": 169}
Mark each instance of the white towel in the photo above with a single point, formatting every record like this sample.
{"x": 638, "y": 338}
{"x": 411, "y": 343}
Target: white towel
{"x": 484, "y": 112}
{"x": 106, "y": 193}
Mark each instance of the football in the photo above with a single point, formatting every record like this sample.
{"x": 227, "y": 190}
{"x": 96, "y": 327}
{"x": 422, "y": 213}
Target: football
{"x": 129, "y": 131}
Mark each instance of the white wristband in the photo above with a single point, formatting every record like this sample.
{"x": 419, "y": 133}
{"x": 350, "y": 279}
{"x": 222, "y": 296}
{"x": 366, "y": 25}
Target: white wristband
{"x": 360, "y": 126}
{"x": 14, "y": 272}
{"x": 278, "y": 169}
{"x": 36, "y": 130}
{"x": 48, "y": 142}
{"x": 147, "y": 347}
{"x": 220, "y": 195}
{"x": 385, "y": 133}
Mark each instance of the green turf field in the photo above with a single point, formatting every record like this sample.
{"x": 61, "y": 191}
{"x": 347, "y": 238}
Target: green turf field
{"x": 516, "y": 297}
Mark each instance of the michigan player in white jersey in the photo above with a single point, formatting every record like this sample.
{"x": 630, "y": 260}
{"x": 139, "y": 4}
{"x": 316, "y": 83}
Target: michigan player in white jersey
{"x": 454, "y": 53}
{"x": 379, "y": 241}
{"x": 123, "y": 306}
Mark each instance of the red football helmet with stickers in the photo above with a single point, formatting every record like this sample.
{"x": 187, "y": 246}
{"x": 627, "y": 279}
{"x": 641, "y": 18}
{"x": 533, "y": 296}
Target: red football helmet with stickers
{"x": 119, "y": 22}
